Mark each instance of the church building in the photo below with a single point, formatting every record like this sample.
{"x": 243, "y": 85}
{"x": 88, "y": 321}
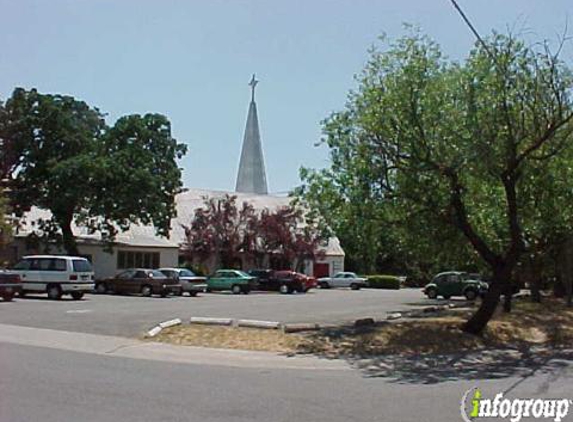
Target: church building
{"x": 140, "y": 246}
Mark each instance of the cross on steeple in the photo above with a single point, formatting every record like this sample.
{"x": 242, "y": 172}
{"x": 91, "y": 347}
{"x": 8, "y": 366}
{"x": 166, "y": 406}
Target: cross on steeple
{"x": 253, "y": 85}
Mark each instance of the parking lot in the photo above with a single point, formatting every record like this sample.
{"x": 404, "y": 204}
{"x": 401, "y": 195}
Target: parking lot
{"x": 131, "y": 316}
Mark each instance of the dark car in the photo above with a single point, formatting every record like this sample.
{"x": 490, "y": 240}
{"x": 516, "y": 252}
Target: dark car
{"x": 10, "y": 284}
{"x": 139, "y": 280}
{"x": 455, "y": 283}
{"x": 283, "y": 281}
{"x": 190, "y": 283}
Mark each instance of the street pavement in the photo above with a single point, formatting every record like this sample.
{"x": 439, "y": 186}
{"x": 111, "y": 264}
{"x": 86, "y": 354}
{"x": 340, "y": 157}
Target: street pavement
{"x": 60, "y": 377}
{"x": 131, "y": 316}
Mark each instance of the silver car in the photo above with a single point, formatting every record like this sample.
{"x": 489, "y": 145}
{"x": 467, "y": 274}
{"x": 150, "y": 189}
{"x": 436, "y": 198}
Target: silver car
{"x": 342, "y": 279}
{"x": 190, "y": 282}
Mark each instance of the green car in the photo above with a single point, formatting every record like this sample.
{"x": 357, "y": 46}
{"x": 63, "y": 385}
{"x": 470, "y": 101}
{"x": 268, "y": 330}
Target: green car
{"x": 233, "y": 280}
{"x": 455, "y": 283}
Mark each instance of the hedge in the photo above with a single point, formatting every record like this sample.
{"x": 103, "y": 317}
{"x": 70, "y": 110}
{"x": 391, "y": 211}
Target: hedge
{"x": 383, "y": 282}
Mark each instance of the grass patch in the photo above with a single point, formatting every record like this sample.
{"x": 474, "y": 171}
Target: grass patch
{"x": 549, "y": 323}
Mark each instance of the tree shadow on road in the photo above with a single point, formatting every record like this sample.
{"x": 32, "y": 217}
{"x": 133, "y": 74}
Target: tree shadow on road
{"x": 470, "y": 365}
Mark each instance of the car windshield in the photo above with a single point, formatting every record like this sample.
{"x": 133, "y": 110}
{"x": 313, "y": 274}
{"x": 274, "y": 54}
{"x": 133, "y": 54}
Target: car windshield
{"x": 243, "y": 274}
{"x": 156, "y": 274}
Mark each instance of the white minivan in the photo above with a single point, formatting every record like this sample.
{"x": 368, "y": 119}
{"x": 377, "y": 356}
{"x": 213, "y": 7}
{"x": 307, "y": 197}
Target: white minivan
{"x": 55, "y": 275}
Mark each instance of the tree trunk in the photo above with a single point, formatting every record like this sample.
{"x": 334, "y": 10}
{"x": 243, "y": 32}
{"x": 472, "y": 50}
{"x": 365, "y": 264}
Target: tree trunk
{"x": 477, "y": 323}
{"x": 69, "y": 240}
{"x": 507, "y": 299}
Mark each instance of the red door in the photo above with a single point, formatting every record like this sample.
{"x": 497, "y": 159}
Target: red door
{"x": 321, "y": 269}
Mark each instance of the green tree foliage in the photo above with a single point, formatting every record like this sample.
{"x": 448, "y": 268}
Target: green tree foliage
{"x": 464, "y": 159}
{"x": 61, "y": 156}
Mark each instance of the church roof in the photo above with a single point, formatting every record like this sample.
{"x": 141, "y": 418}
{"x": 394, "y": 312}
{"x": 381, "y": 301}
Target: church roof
{"x": 186, "y": 203}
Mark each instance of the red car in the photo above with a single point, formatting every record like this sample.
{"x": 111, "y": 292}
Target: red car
{"x": 10, "y": 284}
{"x": 285, "y": 281}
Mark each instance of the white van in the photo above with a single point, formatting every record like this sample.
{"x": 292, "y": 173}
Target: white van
{"x": 55, "y": 275}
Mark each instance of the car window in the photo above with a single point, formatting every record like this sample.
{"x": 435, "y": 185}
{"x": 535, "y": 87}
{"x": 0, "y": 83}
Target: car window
{"x": 339, "y": 275}
{"x": 186, "y": 273}
{"x": 169, "y": 273}
{"x": 81, "y": 266}
{"x": 155, "y": 274}
{"x": 24, "y": 264}
{"x": 140, "y": 274}
{"x": 125, "y": 274}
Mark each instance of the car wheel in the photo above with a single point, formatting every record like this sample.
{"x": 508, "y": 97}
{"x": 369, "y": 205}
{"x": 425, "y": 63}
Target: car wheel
{"x": 146, "y": 291}
{"x": 447, "y": 297}
{"x": 470, "y": 294}
{"x": 324, "y": 285}
{"x": 8, "y": 297}
{"x": 432, "y": 293}
{"x": 77, "y": 295}
{"x": 354, "y": 286}
{"x": 54, "y": 292}
{"x": 101, "y": 288}
{"x": 284, "y": 289}
{"x": 236, "y": 289}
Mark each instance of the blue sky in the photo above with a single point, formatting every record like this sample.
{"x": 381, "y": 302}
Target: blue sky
{"x": 191, "y": 60}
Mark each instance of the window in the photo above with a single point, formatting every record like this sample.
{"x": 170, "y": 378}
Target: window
{"x": 59, "y": 265}
{"x": 137, "y": 259}
{"x": 81, "y": 266}
{"x": 23, "y": 265}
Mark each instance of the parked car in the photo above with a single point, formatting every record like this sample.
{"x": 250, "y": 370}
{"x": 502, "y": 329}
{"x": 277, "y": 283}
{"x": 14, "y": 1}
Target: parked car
{"x": 190, "y": 283}
{"x": 455, "y": 283}
{"x": 55, "y": 275}
{"x": 233, "y": 280}
{"x": 283, "y": 281}
{"x": 140, "y": 280}
{"x": 343, "y": 279}
{"x": 10, "y": 284}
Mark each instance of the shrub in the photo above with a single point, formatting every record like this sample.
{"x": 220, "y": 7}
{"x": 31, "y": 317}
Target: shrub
{"x": 384, "y": 282}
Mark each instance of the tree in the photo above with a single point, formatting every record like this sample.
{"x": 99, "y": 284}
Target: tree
{"x": 64, "y": 158}
{"x": 217, "y": 230}
{"x": 460, "y": 148}
{"x": 222, "y": 231}
{"x": 5, "y": 225}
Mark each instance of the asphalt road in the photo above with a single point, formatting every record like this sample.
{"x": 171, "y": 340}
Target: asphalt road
{"x": 49, "y": 385}
{"x": 132, "y": 315}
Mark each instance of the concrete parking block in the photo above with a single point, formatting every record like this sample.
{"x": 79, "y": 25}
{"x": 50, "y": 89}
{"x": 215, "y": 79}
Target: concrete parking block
{"x": 170, "y": 323}
{"x": 258, "y": 324}
{"x": 211, "y": 321}
{"x": 154, "y": 331}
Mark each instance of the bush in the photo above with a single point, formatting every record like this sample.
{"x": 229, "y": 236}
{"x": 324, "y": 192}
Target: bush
{"x": 383, "y": 282}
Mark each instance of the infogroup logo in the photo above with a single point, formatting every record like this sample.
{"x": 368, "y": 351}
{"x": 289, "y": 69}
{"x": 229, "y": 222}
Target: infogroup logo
{"x": 512, "y": 409}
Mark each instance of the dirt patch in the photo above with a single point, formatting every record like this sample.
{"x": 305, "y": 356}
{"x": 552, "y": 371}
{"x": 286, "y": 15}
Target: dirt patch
{"x": 549, "y": 323}
{"x": 231, "y": 338}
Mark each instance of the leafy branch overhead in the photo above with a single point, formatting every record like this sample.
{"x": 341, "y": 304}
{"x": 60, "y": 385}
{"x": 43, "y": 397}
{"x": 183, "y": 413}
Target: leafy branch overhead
{"x": 59, "y": 154}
